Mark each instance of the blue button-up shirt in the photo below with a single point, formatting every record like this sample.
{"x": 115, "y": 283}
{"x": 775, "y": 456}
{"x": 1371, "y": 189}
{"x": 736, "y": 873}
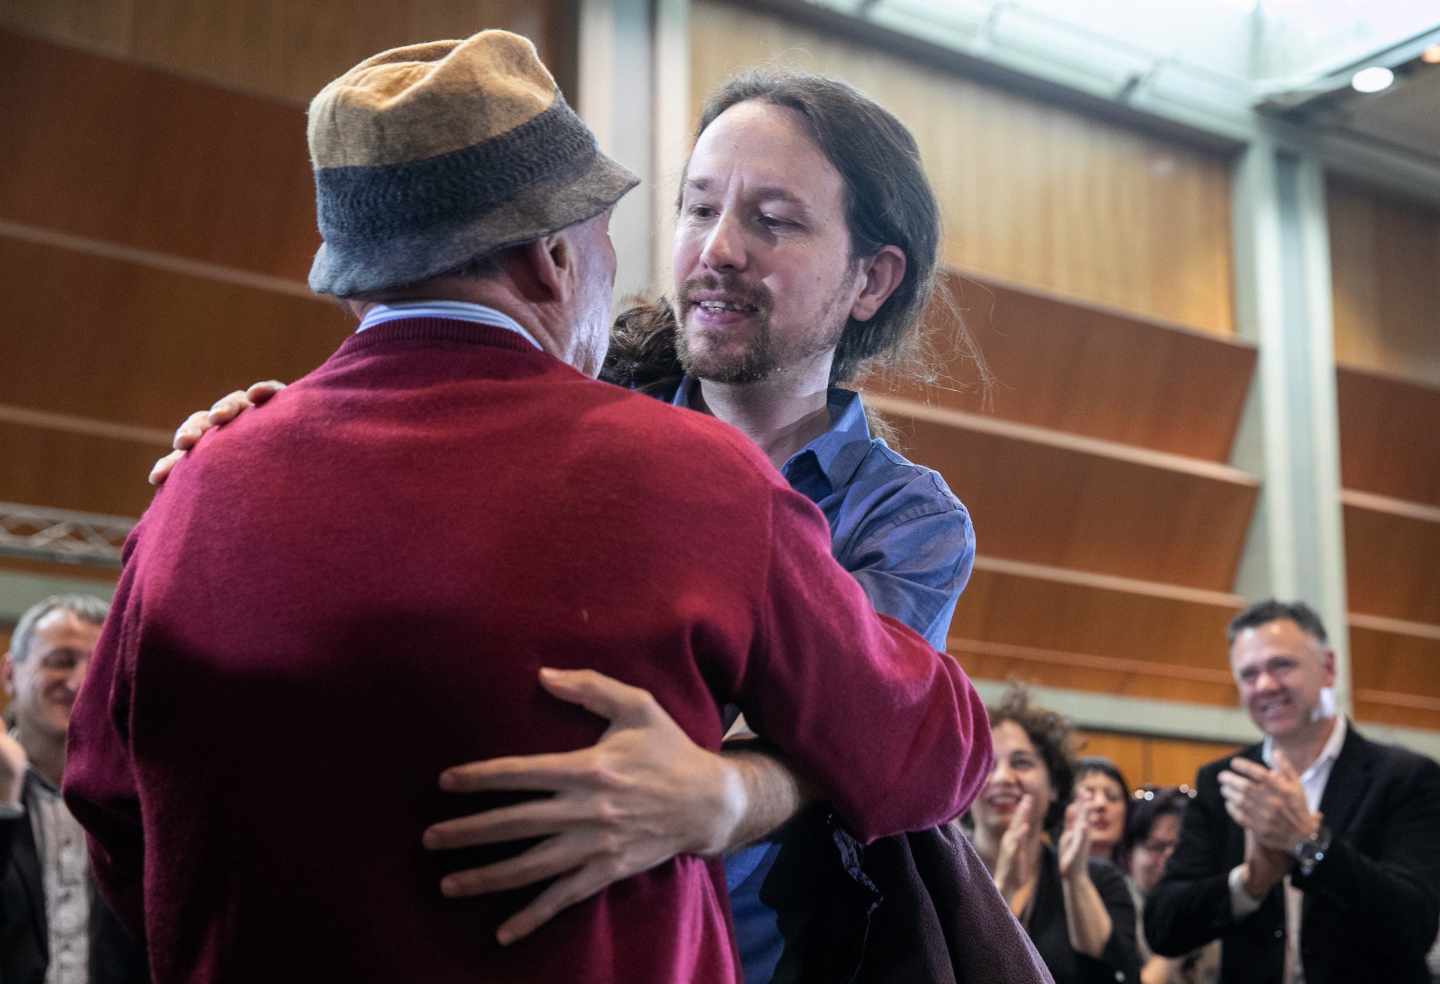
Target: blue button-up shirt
{"x": 900, "y": 531}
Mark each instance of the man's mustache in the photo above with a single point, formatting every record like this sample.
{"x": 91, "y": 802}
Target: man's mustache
{"x": 752, "y": 295}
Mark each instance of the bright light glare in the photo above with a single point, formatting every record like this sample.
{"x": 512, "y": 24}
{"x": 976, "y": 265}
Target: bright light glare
{"x": 1372, "y": 79}
{"x": 1431, "y": 55}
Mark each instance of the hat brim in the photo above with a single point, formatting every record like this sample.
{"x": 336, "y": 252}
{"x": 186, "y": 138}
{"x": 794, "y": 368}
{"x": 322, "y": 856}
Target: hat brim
{"x": 538, "y": 211}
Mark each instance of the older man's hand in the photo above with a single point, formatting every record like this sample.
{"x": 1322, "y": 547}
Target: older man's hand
{"x": 642, "y": 795}
{"x": 1270, "y": 803}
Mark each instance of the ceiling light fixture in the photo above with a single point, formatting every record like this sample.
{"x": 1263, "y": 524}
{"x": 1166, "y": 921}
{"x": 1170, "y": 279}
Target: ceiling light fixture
{"x": 1372, "y": 79}
{"x": 1431, "y": 55}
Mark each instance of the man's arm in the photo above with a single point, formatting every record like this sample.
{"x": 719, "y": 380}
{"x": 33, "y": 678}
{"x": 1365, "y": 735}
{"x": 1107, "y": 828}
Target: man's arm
{"x": 917, "y": 586}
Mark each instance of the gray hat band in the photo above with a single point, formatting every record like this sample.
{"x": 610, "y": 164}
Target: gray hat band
{"x": 362, "y": 202}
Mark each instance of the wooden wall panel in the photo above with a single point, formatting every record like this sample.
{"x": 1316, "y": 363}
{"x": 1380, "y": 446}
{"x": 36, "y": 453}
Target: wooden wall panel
{"x": 1175, "y": 762}
{"x": 136, "y": 157}
{"x": 1384, "y": 254}
{"x": 1031, "y": 192}
{"x": 1394, "y": 662}
{"x": 1038, "y": 498}
{"x": 287, "y": 51}
{"x": 140, "y": 345}
{"x": 1389, "y": 444}
{"x": 1392, "y": 559}
{"x": 1148, "y": 760}
{"x": 1086, "y": 369}
{"x": 1180, "y": 633}
{"x": 76, "y": 471}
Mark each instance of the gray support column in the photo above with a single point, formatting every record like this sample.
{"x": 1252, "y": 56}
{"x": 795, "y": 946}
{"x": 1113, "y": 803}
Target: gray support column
{"x": 616, "y": 85}
{"x": 1290, "y": 433}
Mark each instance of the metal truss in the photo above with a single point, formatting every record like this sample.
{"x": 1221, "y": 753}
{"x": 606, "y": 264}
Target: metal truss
{"x": 58, "y": 535}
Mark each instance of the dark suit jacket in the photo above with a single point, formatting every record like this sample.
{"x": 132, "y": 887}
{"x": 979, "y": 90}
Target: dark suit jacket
{"x": 1370, "y": 907}
{"x": 115, "y": 956}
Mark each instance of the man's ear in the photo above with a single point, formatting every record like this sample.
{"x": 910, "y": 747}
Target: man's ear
{"x": 7, "y": 670}
{"x": 1327, "y": 662}
{"x": 549, "y": 266}
{"x": 883, "y": 273}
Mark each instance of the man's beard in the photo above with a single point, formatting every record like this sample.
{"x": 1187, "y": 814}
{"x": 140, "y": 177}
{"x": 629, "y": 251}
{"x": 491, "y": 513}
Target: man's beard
{"x": 762, "y": 357}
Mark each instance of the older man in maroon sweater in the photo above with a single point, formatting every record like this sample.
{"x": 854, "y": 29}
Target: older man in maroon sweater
{"x": 441, "y": 510}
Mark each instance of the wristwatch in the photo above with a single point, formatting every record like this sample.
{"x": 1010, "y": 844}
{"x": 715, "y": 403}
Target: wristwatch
{"x": 1310, "y": 851}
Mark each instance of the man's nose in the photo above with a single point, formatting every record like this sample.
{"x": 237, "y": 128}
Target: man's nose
{"x": 725, "y": 246}
{"x": 76, "y": 676}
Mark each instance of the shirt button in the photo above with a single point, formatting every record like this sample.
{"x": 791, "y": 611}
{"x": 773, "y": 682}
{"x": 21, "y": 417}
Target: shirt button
{"x": 1279, "y": 934}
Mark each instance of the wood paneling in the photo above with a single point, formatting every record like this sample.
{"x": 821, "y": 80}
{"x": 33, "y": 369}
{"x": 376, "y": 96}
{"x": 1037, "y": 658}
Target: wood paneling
{"x": 1395, "y": 672}
{"x": 1389, "y": 444}
{"x": 1062, "y": 629}
{"x": 1384, "y": 254}
{"x": 121, "y": 342}
{"x": 1392, "y": 559}
{"x": 1031, "y": 192}
{"x": 1126, "y": 751}
{"x": 285, "y": 50}
{"x": 1087, "y": 369}
{"x": 1174, "y": 761}
{"x": 76, "y": 471}
{"x": 134, "y": 156}
{"x": 1148, "y": 760}
{"x": 1048, "y": 498}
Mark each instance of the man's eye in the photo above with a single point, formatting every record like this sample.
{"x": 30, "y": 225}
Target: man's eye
{"x": 774, "y": 222}
{"x": 699, "y": 211}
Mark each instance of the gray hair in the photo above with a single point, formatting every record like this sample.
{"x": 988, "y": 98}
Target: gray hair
{"x": 86, "y": 608}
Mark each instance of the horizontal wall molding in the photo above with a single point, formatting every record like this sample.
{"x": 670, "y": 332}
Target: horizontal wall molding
{"x": 1108, "y": 582}
{"x": 1029, "y": 433}
{"x": 71, "y": 424}
{"x": 1395, "y": 626}
{"x": 156, "y": 260}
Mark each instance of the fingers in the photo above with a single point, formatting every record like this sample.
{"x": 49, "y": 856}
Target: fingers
{"x": 602, "y": 695}
{"x": 555, "y": 856}
{"x": 1233, "y": 785}
{"x": 558, "y": 897}
{"x": 258, "y": 393}
{"x": 1253, "y": 771}
{"x": 537, "y": 818}
{"x": 162, "y": 468}
{"x": 551, "y": 772}
{"x": 189, "y": 432}
{"x": 1284, "y": 767}
{"x": 228, "y": 407}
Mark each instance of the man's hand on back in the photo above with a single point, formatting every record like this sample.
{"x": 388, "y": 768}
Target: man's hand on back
{"x": 643, "y": 794}
{"x": 224, "y": 410}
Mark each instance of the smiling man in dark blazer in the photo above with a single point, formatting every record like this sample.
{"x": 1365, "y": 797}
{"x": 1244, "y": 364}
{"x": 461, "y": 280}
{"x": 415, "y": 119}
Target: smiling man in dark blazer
{"x": 1315, "y": 854}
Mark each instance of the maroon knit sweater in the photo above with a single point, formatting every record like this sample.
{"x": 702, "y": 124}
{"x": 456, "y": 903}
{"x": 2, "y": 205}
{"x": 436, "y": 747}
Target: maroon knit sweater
{"x": 352, "y": 589}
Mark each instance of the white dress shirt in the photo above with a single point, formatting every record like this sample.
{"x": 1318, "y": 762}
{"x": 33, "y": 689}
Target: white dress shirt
{"x": 1313, "y": 780}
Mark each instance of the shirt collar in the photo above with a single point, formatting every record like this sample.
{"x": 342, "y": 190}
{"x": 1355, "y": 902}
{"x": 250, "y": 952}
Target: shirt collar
{"x": 837, "y": 452}
{"x": 478, "y": 314}
{"x": 1327, "y": 755}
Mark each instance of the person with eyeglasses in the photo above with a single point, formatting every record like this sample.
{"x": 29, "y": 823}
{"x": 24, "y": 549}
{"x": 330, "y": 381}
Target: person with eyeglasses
{"x": 1151, "y": 834}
